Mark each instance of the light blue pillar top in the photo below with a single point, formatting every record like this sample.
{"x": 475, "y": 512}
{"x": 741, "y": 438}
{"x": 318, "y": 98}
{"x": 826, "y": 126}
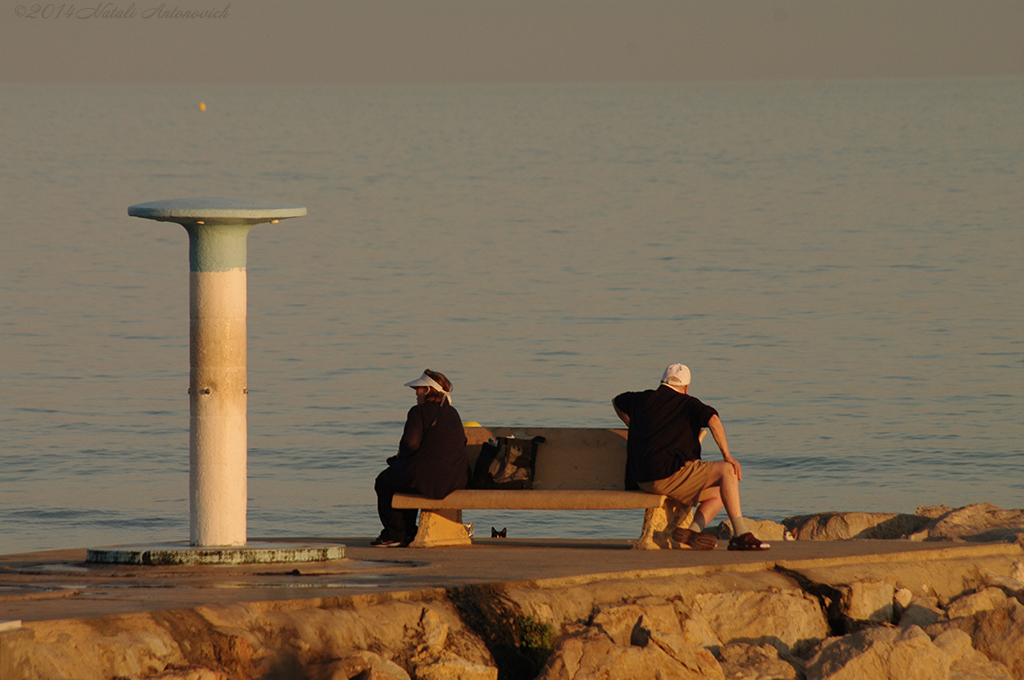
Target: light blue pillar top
{"x": 217, "y": 227}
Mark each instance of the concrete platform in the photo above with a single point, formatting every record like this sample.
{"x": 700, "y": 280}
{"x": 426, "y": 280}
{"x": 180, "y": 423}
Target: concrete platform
{"x": 62, "y": 584}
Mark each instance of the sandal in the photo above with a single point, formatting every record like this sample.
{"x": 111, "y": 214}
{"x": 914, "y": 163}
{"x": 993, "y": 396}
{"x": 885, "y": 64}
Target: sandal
{"x": 747, "y": 541}
{"x": 698, "y": 540}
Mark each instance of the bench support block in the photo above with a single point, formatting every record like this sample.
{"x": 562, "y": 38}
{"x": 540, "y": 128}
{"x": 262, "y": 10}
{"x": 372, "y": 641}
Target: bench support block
{"x": 440, "y": 528}
{"x": 443, "y": 528}
{"x": 659, "y": 523}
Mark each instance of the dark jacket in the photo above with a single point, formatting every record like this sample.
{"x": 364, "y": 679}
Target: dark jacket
{"x": 432, "y": 454}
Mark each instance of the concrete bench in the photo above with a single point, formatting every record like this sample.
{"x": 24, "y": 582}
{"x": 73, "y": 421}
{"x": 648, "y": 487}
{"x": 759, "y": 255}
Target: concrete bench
{"x": 577, "y": 469}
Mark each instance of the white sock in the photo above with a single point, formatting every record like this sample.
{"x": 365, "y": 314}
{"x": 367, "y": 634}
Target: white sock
{"x": 739, "y": 526}
{"x": 698, "y": 522}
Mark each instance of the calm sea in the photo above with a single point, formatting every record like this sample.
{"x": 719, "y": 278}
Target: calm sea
{"x": 841, "y": 264}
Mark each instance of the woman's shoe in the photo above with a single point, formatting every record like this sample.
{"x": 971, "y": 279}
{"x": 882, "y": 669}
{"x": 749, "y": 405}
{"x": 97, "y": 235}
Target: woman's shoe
{"x": 383, "y": 541}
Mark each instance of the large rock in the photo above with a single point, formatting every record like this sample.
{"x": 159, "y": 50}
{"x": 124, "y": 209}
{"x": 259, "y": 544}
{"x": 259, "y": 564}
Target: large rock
{"x": 880, "y": 654}
{"x": 207, "y": 674}
{"x": 967, "y": 662}
{"x": 838, "y": 526}
{"x": 448, "y": 666}
{"x": 741, "y": 661}
{"x": 591, "y": 655}
{"x": 981, "y": 522}
{"x": 766, "y": 530}
{"x": 696, "y": 631}
{"x": 790, "y": 620}
{"x": 1009, "y": 584}
{"x": 869, "y": 600}
{"x": 102, "y": 648}
{"x": 622, "y": 622}
{"x": 410, "y": 632}
{"x": 922, "y": 612}
{"x": 972, "y": 603}
{"x": 366, "y": 665}
{"x": 251, "y": 641}
{"x": 433, "y": 662}
{"x": 998, "y": 633}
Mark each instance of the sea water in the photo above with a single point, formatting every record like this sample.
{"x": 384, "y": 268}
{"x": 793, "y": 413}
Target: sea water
{"x": 840, "y": 263}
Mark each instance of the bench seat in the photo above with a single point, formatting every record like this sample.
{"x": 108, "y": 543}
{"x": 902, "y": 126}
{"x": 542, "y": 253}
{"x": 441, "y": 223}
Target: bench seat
{"x": 576, "y": 469}
{"x": 532, "y": 499}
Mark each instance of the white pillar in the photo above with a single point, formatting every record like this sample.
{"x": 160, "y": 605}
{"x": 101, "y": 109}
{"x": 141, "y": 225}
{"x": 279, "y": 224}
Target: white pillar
{"x": 218, "y": 390}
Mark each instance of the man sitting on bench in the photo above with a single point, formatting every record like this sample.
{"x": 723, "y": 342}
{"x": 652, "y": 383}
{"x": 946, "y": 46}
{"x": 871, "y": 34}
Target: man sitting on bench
{"x": 663, "y": 457}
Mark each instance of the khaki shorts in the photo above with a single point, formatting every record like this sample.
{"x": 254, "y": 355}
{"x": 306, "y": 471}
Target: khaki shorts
{"x": 685, "y": 485}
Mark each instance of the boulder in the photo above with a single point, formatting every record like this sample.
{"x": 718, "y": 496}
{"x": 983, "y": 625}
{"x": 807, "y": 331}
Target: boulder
{"x": 880, "y": 654}
{"x": 591, "y": 655}
{"x": 99, "y": 648}
{"x": 972, "y": 603}
{"x": 999, "y": 634}
{"x": 433, "y": 662}
{"x": 448, "y": 666}
{"x": 741, "y": 661}
{"x": 621, "y": 622}
{"x": 696, "y": 631}
{"x": 869, "y": 600}
{"x": 790, "y": 620}
{"x": 435, "y": 631}
{"x": 766, "y": 530}
{"x": 404, "y": 629}
{"x": 192, "y": 674}
{"x": 980, "y": 522}
{"x": 921, "y": 612}
{"x": 838, "y": 526}
{"x": 1017, "y": 571}
{"x": 932, "y": 511}
{"x": 967, "y": 662}
{"x": 1010, "y": 585}
{"x": 366, "y": 665}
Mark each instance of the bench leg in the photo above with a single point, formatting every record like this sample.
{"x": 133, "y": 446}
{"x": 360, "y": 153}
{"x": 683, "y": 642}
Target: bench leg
{"x": 439, "y": 528}
{"x": 659, "y": 523}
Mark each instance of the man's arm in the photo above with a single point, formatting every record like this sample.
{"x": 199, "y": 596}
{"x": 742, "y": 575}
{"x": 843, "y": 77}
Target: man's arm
{"x": 718, "y": 432}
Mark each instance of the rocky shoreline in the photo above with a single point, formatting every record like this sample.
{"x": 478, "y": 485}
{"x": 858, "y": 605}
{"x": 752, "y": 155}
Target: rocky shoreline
{"x": 953, "y": 614}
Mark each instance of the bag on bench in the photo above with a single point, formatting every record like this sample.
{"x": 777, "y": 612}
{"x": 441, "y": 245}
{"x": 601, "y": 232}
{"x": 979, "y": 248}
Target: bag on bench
{"x": 506, "y": 463}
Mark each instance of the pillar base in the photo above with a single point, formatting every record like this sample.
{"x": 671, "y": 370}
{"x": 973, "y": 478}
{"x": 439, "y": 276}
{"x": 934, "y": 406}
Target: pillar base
{"x": 180, "y": 554}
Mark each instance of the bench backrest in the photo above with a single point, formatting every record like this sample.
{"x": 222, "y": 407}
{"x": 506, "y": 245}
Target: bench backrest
{"x": 570, "y": 458}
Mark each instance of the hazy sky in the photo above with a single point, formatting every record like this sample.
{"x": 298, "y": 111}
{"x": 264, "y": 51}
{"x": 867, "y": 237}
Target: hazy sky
{"x": 509, "y": 40}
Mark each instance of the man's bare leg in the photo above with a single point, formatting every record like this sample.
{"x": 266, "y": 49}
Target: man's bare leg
{"x": 722, "y": 483}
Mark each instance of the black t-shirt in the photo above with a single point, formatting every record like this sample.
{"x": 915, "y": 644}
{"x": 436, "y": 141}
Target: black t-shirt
{"x": 664, "y": 426}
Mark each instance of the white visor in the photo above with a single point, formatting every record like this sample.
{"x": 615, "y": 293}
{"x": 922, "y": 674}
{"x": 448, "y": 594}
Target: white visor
{"x": 426, "y": 381}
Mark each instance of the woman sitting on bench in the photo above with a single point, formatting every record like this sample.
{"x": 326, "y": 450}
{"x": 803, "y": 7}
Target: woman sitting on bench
{"x": 431, "y": 458}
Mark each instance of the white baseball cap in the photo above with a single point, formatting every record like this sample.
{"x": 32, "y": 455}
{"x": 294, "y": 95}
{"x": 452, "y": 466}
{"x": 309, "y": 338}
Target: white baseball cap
{"x": 676, "y": 375}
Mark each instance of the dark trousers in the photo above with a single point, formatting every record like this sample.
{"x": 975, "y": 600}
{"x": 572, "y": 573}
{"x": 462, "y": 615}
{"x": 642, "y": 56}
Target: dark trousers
{"x": 399, "y": 525}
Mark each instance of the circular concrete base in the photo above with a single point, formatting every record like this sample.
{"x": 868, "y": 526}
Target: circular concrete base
{"x": 254, "y": 552}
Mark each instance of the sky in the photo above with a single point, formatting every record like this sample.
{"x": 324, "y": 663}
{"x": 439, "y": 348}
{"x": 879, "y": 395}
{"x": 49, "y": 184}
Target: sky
{"x": 395, "y": 41}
